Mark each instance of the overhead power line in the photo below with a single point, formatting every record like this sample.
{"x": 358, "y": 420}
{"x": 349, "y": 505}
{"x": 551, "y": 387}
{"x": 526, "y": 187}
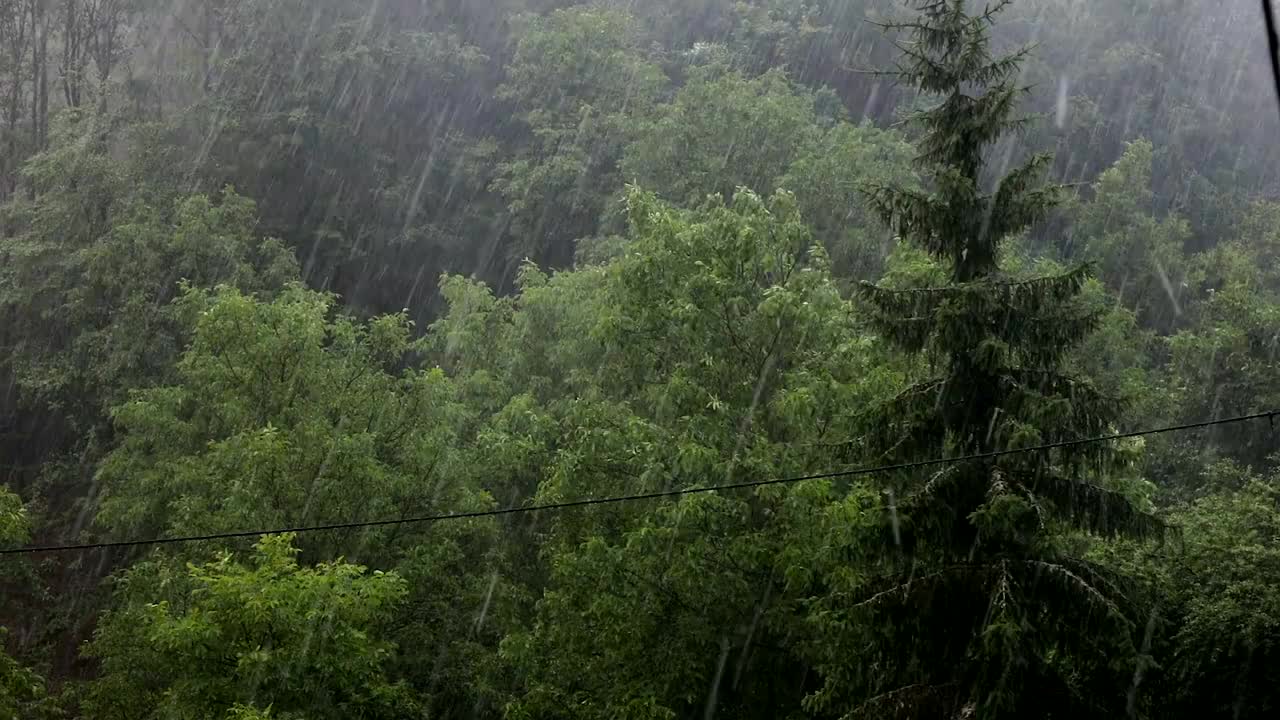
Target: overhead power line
{"x": 587, "y": 502}
{"x": 1273, "y": 42}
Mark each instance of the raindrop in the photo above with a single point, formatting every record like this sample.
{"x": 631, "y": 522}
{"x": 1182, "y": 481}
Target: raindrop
{"x": 893, "y": 518}
{"x": 1139, "y": 670}
{"x": 1060, "y": 117}
{"x": 1168, "y": 287}
{"x": 484, "y": 609}
{"x": 751, "y": 633}
{"x": 713, "y": 697}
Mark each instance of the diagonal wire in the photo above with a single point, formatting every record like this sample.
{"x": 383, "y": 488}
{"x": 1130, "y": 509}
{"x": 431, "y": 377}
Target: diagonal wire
{"x": 1273, "y": 42}
{"x": 587, "y": 502}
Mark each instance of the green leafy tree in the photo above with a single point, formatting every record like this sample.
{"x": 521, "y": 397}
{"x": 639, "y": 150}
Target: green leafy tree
{"x": 814, "y": 41}
{"x": 88, "y": 270}
{"x": 283, "y": 413}
{"x": 1140, "y": 256}
{"x": 577, "y": 83}
{"x": 43, "y": 239}
{"x": 979, "y": 608}
{"x": 1258, "y": 234}
{"x": 13, "y": 518}
{"x": 22, "y": 692}
{"x": 1227, "y": 365}
{"x": 104, "y": 248}
{"x": 1214, "y": 634}
{"x": 86, "y": 285}
{"x": 1224, "y": 361}
{"x": 101, "y": 315}
{"x": 330, "y": 114}
{"x": 724, "y": 130}
{"x": 271, "y": 638}
{"x": 718, "y": 358}
{"x": 827, "y": 179}
{"x": 614, "y": 378}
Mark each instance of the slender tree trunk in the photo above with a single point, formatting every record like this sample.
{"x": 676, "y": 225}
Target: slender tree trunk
{"x": 39, "y": 106}
{"x": 106, "y": 50}
{"x": 17, "y": 52}
{"x": 44, "y": 79}
{"x": 72, "y": 52}
{"x": 4, "y": 161}
{"x": 102, "y": 28}
{"x": 32, "y": 6}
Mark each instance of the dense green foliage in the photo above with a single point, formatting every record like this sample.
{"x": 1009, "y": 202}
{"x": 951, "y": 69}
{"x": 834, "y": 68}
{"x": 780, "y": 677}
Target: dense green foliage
{"x": 274, "y": 263}
{"x": 273, "y": 639}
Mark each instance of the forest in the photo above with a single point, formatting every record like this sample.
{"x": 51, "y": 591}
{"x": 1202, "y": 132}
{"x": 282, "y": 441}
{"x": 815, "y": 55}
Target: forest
{"x": 639, "y": 359}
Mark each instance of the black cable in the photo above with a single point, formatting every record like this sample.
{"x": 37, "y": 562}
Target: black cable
{"x": 1273, "y": 43}
{"x": 643, "y": 496}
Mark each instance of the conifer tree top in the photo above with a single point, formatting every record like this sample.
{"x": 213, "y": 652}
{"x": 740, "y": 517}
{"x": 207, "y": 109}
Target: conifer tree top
{"x": 946, "y": 52}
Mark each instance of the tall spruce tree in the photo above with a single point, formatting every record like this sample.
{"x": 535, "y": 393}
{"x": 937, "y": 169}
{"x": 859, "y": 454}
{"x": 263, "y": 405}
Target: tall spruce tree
{"x": 980, "y": 609}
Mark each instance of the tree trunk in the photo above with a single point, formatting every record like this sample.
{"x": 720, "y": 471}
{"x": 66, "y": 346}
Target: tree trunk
{"x": 102, "y": 29}
{"x": 32, "y": 6}
{"x": 39, "y": 42}
{"x": 44, "y": 78}
{"x": 72, "y": 53}
{"x": 13, "y": 111}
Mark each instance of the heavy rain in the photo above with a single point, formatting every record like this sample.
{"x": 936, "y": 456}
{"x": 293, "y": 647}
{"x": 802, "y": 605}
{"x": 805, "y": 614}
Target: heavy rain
{"x": 639, "y": 359}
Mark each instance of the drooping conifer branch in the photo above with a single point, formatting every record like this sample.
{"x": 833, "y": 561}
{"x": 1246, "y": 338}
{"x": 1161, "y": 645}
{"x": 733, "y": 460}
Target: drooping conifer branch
{"x": 975, "y": 551}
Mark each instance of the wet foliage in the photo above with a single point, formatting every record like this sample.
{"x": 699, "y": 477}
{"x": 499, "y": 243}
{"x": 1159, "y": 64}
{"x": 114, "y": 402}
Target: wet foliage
{"x": 274, "y": 264}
